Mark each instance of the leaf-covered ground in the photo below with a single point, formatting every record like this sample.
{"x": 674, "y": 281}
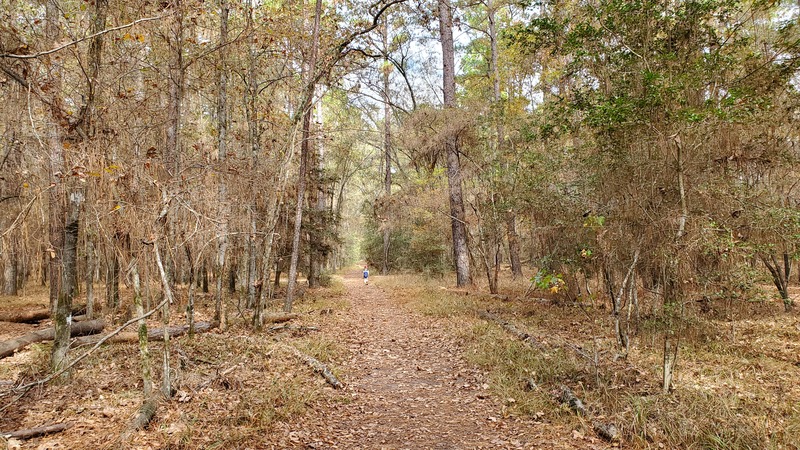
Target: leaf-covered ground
{"x": 409, "y": 387}
{"x": 421, "y": 371}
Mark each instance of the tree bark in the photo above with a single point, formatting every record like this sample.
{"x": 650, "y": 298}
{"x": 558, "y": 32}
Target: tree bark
{"x": 89, "y": 276}
{"x": 310, "y": 70}
{"x": 156, "y": 334}
{"x": 9, "y": 255}
{"x": 457, "y": 219}
{"x": 318, "y": 245}
{"x": 62, "y": 316}
{"x": 57, "y": 193}
{"x": 166, "y": 387}
{"x": 142, "y": 335}
{"x": 387, "y": 141}
{"x": 112, "y": 278}
{"x": 222, "y": 156}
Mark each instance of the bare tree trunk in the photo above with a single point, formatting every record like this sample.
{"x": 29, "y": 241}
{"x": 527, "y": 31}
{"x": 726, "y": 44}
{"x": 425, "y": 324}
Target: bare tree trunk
{"x": 144, "y": 352}
{"x": 272, "y": 220}
{"x": 458, "y": 221}
{"x": 172, "y": 155}
{"x": 56, "y": 211}
{"x": 251, "y": 261}
{"x": 90, "y": 267}
{"x": 310, "y": 69}
{"x": 513, "y": 244}
{"x": 166, "y": 387}
{"x": 192, "y": 287}
{"x": 670, "y": 356}
{"x": 387, "y": 141}
{"x": 317, "y": 250}
{"x": 112, "y": 277}
{"x": 9, "y": 255}
{"x": 62, "y": 317}
{"x": 222, "y": 155}
{"x": 622, "y": 336}
{"x": 780, "y": 276}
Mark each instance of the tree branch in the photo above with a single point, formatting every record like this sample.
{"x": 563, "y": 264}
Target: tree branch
{"x": 78, "y": 41}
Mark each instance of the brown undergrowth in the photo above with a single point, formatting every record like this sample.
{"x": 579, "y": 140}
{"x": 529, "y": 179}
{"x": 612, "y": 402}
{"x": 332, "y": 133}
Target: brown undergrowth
{"x": 736, "y": 382}
{"x": 233, "y": 386}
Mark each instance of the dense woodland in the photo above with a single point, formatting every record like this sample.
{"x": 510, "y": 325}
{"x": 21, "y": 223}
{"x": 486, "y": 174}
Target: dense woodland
{"x": 638, "y": 158}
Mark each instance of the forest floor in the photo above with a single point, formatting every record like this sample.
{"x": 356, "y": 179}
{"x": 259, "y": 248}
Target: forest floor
{"x": 422, "y": 370}
{"x": 410, "y": 387}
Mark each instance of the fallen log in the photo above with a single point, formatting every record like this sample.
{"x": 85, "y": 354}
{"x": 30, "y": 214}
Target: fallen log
{"x": 563, "y": 394}
{"x": 280, "y": 317}
{"x": 145, "y": 414}
{"x": 293, "y": 328}
{"x": 567, "y": 397}
{"x": 319, "y": 368}
{"x": 607, "y": 431}
{"x": 156, "y": 334}
{"x": 38, "y": 431}
{"x": 511, "y": 328}
{"x": 34, "y": 316}
{"x": 8, "y": 348}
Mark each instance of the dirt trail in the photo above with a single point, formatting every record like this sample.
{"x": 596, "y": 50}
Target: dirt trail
{"x": 408, "y": 387}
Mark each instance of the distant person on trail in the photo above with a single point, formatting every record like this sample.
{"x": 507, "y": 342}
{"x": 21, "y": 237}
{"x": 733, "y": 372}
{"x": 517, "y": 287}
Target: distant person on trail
{"x": 366, "y": 275}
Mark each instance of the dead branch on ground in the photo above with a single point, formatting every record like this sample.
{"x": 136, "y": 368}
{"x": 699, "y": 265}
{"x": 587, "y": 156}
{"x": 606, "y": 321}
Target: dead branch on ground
{"x": 318, "y": 367}
{"x": 36, "y": 432}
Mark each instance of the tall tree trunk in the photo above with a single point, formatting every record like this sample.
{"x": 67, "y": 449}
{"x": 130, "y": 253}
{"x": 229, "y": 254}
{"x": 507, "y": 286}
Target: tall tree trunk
{"x": 222, "y": 156}
{"x": 112, "y": 276}
{"x": 310, "y": 70}
{"x": 172, "y": 156}
{"x": 59, "y": 301}
{"x": 251, "y": 261}
{"x": 272, "y": 220}
{"x": 10, "y": 159}
{"x": 317, "y": 244}
{"x": 62, "y": 318}
{"x": 458, "y": 221}
{"x": 387, "y": 141}
{"x": 510, "y": 215}
{"x": 166, "y": 386}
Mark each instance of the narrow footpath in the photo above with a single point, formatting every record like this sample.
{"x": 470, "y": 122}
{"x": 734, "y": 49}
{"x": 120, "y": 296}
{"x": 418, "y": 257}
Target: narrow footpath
{"x": 408, "y": 387}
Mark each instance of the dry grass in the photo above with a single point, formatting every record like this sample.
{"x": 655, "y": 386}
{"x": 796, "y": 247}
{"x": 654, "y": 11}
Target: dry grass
{"x": 233, "y": 387}
{"x": 735, "y": 386}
